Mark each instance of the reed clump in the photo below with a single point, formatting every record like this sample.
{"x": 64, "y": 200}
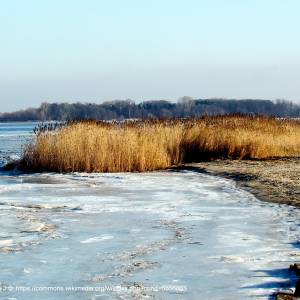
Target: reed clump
{"x": 147, "y": 145}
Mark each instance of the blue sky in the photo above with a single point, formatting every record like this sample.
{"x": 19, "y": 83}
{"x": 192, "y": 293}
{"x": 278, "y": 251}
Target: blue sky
{"x": 61, "y": 50}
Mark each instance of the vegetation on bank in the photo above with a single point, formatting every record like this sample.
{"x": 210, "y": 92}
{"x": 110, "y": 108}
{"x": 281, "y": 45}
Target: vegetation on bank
{"x": 185, "y": 107}
{"x": 148, "y": 145}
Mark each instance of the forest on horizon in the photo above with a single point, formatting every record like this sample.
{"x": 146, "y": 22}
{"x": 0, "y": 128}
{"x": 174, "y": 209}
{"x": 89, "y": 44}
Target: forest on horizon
{"x": 128, "y": 109}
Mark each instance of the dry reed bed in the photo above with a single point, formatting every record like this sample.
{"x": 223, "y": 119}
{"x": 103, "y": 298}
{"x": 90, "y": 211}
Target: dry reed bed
{"x": 158, "y": 144}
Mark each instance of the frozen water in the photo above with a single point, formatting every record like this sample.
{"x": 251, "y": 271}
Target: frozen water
{"x": 161, "y": 235}
{"x": 12, "y": 138}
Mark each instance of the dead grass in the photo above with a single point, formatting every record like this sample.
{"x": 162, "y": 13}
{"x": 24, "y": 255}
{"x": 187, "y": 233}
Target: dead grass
{"x": 158, "y": 144}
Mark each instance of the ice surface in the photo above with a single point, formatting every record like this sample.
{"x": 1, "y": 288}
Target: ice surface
{"x": 161, "y": 235}
{"x": 12, "y": 138}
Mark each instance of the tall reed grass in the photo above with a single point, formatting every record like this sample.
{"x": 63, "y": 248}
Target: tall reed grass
{"x": 158, "y": 144}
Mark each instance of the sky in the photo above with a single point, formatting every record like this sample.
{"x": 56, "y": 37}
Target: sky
{"x": 96, "y": 50}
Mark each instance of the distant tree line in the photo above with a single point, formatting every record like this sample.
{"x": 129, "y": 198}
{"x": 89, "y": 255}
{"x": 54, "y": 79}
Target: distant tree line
{"x": 127, "y": 109}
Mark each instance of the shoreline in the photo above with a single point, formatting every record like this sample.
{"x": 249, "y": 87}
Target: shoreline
{"x": 274, "y": 180}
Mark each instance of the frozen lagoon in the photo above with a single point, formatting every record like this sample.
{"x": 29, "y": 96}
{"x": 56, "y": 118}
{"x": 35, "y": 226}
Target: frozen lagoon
{"x": 162, "y": 235}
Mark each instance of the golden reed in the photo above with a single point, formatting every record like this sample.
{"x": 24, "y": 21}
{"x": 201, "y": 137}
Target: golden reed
{"x": 147, "y": 145}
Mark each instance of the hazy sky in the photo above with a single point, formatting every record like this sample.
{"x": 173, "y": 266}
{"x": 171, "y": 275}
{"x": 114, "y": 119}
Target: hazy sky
{"x": 85, "y": 50}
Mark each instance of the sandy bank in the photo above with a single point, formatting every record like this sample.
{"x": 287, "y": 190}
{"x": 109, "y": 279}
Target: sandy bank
{"x": 276, "y": 180}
